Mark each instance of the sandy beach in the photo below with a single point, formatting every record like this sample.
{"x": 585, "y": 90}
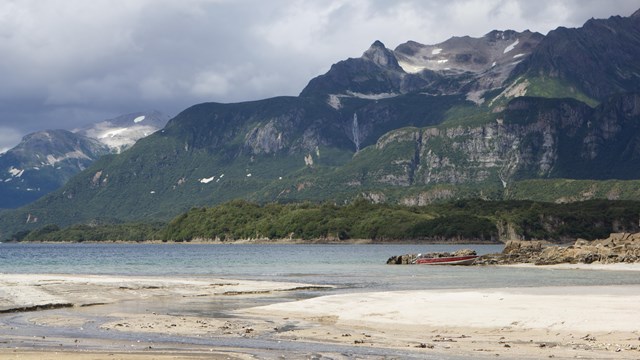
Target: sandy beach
{"x": 589, "y": 322}
{"x": 134, "y": 316}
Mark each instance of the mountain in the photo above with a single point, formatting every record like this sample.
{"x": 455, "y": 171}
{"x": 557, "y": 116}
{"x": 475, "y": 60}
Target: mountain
{"x": 122, "y": 132}
{"x": 503, "y": 116}
{"x": 42, "y": 162}
{"x": 46, "y": 160}
{"x": 458, "y": 65}
{"x": 591, "y": 63}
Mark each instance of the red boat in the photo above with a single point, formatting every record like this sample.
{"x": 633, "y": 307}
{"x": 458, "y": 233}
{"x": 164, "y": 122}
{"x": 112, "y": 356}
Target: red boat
{"x": 451, "y": 260}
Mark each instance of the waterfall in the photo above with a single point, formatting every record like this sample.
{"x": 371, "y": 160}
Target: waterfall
{"x": 356, "y": 132}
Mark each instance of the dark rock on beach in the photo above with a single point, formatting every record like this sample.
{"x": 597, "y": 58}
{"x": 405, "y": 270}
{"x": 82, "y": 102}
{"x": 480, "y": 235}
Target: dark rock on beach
{"x": 617, "y": 248}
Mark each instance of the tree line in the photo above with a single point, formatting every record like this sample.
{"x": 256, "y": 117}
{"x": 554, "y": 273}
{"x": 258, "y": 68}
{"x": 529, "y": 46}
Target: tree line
{"x": 460, "y": 221}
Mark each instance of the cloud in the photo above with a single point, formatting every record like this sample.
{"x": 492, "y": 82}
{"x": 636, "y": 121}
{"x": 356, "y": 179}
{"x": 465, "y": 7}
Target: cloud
{"x": 9, "y": 137}
{"x": 69, "y": 62}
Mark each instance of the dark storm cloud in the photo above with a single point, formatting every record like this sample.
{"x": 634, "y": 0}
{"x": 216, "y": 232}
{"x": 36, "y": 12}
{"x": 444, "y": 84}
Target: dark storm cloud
{"x": 69, "y": 62}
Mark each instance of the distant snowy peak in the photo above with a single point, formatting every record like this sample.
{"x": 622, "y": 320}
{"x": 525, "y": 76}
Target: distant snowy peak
{"x": 46, "y": 160}
{"x": 42, "y": 162}
{"x": 122, "y": 132}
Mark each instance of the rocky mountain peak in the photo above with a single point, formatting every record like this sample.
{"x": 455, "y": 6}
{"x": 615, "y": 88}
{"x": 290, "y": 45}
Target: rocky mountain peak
{"x": 636, "y": 14}
{"x": 381, "y": 56}
{"x": 502, "y": 35}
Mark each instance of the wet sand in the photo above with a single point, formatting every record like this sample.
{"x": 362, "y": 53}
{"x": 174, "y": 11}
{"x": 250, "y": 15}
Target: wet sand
{"x": 14, "y": 354}
{"x": 139, "y": 320}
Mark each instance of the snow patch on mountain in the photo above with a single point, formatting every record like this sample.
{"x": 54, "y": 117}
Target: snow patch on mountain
{"x": 77, "y": 154}
{"x": 207, "y": 180}
{"x": 16, "y": 172}
{"x": 511, "y": 47}
{"x": 372, "y": 96}
{"x": 411, "y": 68}
{"x": 122, "y": 132}
{"x": 436, "y": 51}
{"x": 119, "y": 138}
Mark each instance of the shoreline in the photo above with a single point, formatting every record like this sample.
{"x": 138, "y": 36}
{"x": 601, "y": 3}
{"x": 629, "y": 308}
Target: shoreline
{"x": 560, "y": 322}
{"x": 579, "y": 266}
{"x": 267, "y": 242}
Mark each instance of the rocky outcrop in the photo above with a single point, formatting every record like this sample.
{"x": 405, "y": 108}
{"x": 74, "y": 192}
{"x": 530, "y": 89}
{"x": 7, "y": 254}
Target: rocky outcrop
{"x": 617, "y": 248}
{"x": 532, "y": 138}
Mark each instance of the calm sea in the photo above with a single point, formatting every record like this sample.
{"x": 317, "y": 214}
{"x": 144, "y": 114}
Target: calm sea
{"x": 350, "y": 267}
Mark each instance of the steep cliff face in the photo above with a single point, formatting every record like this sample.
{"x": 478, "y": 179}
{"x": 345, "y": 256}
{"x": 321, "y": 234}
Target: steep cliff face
{"x": 531, "y": 138}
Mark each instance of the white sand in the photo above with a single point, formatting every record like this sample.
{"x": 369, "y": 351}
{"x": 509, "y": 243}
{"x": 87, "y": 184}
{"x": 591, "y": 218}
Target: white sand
{"x": 592, "y": 266}
{"x": 596, "y": 322}
{"x": 586, "y": 309}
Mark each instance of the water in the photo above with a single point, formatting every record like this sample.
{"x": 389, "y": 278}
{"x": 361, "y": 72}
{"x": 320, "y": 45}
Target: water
{"x": 349, "y": 267}
{"x": 356, "y": 132}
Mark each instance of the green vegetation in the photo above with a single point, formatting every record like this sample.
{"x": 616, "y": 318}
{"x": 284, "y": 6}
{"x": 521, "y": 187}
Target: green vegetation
{"x": 548, "y": 87}
{"x": 569, "y": 190}
{"x": 358, "y": 220}
{"x": 468, "y": 115}
{"x": 459, "y": 221}
{"x": 542, "y": 87}
{"x": 80, "y": 233}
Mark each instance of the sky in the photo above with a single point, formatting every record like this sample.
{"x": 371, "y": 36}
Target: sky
{"x": 68, "y": 63}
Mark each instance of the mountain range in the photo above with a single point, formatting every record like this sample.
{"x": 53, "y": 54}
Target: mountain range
{"x": 510, "y": 115}
{"x": 45, "y": 160}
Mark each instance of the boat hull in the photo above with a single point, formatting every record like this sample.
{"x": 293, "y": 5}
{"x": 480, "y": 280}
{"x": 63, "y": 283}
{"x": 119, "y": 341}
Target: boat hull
{"x": 454, "y": 260}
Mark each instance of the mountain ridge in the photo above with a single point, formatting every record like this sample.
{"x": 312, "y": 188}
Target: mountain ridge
{"x": 368, "y": 128}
